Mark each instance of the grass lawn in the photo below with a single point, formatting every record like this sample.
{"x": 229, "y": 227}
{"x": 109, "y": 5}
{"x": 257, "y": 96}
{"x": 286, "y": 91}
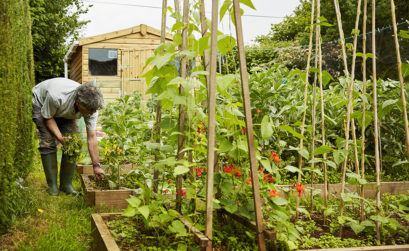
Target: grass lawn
{"x": 55, "y": 223}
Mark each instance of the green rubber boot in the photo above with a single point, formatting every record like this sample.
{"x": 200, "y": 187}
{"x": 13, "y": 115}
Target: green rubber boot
{"x": 51, "y": 172}
{"x": 66, "y": 174}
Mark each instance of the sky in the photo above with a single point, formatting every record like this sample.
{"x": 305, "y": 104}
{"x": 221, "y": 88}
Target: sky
{"x": 112, "y": 15}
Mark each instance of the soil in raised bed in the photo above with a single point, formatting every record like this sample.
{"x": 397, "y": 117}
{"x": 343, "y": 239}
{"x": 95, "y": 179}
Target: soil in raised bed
{"x": 130, "y": 234}
{"x": 319, "y": 235}
{"x": 127, "y": 181}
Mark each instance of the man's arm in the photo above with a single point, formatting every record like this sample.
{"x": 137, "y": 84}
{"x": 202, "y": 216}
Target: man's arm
{"x": 52, "y": 126}
{"x": 94, "y": 153}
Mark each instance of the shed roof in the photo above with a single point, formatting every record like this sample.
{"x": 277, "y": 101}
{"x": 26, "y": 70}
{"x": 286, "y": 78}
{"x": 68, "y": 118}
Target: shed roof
{"x": 143, "y": 29}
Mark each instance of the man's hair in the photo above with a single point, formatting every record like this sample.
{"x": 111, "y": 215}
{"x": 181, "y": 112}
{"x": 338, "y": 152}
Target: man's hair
{"x": 90, "y": 97}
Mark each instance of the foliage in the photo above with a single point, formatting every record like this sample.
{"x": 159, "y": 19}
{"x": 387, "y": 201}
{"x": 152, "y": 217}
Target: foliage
{"x": 72, "y": 147}
{"x": 16, "y": 132}
{"x": 55, "y": 26}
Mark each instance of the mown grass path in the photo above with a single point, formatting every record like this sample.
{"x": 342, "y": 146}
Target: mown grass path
{"x": 54, "y": 223}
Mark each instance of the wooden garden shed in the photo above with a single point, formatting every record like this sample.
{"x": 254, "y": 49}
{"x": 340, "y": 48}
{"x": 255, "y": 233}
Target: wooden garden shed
{"x": 114, "y": 61}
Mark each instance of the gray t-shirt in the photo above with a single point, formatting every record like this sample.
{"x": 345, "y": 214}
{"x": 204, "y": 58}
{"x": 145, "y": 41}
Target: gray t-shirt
{"x": 56, "y": 97}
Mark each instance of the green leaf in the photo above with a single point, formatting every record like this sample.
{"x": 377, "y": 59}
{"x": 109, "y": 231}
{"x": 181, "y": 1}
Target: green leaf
{"x": 356, "y": 227}
{"x": 280, "y": 201}
{"x": 266, "y": 128}
{"x": 134, "y": 202}
{"x": 160, "y": 61}
{"x": 248, "y": 3}
{"x": 231, "y": 208}
{"x": 226, "y": 5}
{"x": 179, "y": 228}
{"x": 129, "y": 211}
{"x": 379, "y": 219}
{"x": 226, "y": 186}
{"x": 303, "y": 152}
{"x": 322, "y": 149}
{"x": 339, "y": 156}
{"x": 405, "y": 70}
{"x": 400, "y": 163}
{"x": 144, "y": 210}
{"x": 292, "y": 169}
{"x": 403, "y": 34}
{"x": 266, "y": 164}
{"x": 225, "y": 43}
{"x": 291, "y": 130}
{"x": 179, "y": 170}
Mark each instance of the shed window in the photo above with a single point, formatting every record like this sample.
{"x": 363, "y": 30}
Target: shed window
{"x": 103, "y": 62}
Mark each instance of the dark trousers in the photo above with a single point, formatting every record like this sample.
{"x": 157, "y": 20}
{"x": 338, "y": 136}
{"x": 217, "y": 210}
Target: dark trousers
{"x": 48, "y": 142}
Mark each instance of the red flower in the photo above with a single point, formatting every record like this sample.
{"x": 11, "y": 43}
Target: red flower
{"x": 274, "y": 193}
{"x": 273, "y": 155}
{"x": 166, "y": 191}
{"x": 261, "y": 170}
{"x": 268, "y": 177}
{"x": 276, "y": 159}
{"x": 249, "y": 181}
{"x": 203, "y": 123}
{"x": 198, "y": 129}
{"x": 204, "y": 129}
{"x": 228, "y": 169}
{"x": 259, "y": 111}
{"x": 181, "y": 193}
{"x": 243, "y": 130}
{"x": 169, "y": 181}
{"x": 300, "y": 188}
{"x": 198, "y": 172}
{"x": 237, "y": 172}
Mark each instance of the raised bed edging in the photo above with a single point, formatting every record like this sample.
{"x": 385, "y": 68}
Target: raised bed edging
{"x": 104, "y": 241}
{"x": 105, "y": 199}
{"x": 394, "y": 188}
{"x": 87, "y": 169}
{"x": 374, "y": 248}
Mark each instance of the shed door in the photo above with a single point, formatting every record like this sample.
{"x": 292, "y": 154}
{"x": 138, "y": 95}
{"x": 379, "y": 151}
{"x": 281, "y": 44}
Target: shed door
{"x": 132, "y": 64}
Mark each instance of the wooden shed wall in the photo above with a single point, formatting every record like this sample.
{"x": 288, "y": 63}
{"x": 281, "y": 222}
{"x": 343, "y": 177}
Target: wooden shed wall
{"x": 133, "y": 51}
{"x": 76, "y": 67}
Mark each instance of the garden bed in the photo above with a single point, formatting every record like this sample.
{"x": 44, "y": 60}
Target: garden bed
{"x": 103, "y": 239}
{"x": 105, "y": 199}
{"x": 87, "y": 169}
{"x": 394, "y": 188}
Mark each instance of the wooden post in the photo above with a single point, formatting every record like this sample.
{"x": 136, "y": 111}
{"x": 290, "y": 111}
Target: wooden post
{"x": 203, "y": 26}
{"x": 300, "y": 160}
{"x": 182, "y": 113}
{"x": 249, "y": 125}
{"x": 402, "y": 90}
{"x": 363, "y": 106}
{"x": 375, "y": 114}
{"x": 211, "y": 136}
{"x": 158, "y": 103}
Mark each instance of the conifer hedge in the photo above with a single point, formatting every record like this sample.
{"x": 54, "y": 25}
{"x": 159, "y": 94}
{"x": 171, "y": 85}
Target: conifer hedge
{"x": 16, "y": 127}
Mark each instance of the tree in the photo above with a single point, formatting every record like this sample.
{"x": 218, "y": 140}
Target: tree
{"x": 55, "y": 25}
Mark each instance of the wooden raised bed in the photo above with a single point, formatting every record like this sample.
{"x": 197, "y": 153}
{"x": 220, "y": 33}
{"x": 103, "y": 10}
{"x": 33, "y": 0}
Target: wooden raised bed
{"x": 87, "y": 169}
{"x": 374, "y": 248}
{"x": 394, "y": 188}
{"x": 105, "y": 199}
{"x": 103, "y": 240}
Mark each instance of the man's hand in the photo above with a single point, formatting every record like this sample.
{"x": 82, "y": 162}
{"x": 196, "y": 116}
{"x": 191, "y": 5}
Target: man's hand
{"x": 98, "y": 172}
{"x": 62, "y": 139}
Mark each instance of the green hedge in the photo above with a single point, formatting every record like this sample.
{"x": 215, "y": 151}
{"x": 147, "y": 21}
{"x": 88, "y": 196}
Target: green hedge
{"x": 16, "y": 127}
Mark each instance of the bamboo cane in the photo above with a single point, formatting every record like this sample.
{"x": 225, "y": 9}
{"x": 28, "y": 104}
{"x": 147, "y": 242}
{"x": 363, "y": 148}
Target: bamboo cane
{"x": 300, "y": 160}
{"x": 158, "y": 104}
{"x": 211, "y": 124}
{"x": 314, "y": 107}
{"x": 363, "y": 106}
{"x": 402, "y": 90}
{"x": 182, "y": 112}
{"x": 322, "y": 107}
{"x": 249, "y": 126}
{"x": 350, "y": 89}
{"x": 375, "y": 109}
{"x": 203, "y": 26}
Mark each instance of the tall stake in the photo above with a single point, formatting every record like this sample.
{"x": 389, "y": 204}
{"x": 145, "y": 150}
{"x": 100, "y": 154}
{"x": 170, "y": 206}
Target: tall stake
{"x": 402, "y": 90}
{"x": 314, "y": 106}
{"x": 158, "y": 104}
{"x": 350, "y": 89}
{"x": 211, "y": 137}
{"x": 375, "y": 114}
{"x": 322, "y": 106}
{"x": 182, "y": 113}
{"x": 249, "y": 125}
{"x": 363, "y": 106}
{"x": 300, "y": 160}
{"x": 203, "y": 27}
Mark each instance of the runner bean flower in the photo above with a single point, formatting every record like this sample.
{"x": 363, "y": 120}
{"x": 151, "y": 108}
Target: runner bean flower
{"x": 300, "y": 188}
{"x": 274, "y": 194}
